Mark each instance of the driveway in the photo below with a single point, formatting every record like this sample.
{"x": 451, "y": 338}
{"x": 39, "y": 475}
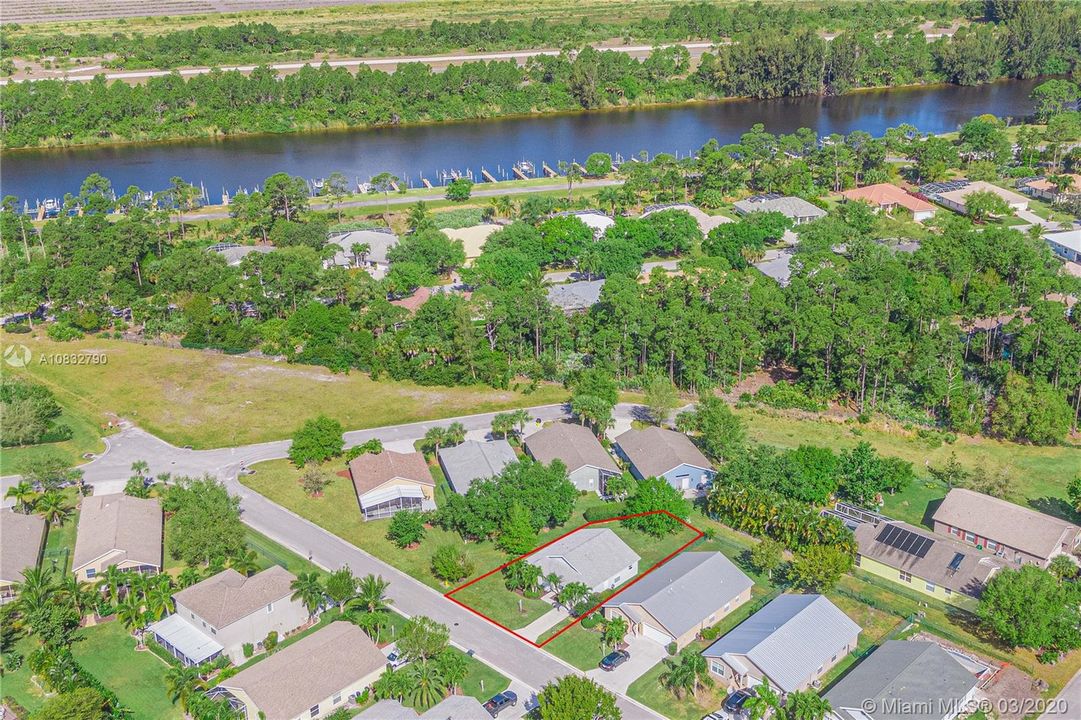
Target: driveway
{"x": 645, "y": 653}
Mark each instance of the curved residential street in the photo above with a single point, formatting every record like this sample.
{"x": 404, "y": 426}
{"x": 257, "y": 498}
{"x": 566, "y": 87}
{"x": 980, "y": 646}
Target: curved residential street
{"x": 528, "y": 667}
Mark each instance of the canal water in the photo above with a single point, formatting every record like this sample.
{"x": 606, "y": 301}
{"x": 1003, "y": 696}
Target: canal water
{"x": 430, "y": 150}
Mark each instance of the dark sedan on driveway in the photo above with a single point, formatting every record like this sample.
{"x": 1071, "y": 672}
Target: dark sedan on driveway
{"x": 614, "y": 659}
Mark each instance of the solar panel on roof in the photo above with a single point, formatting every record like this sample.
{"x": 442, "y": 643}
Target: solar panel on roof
{"x": 905, "y": 540}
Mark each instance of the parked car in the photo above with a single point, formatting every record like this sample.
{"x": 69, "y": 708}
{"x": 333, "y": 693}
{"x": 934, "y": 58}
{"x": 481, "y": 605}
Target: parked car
{"x": 734, "y": 703}
{"x": 614, "y": 659}
{"x": 501, "y": 702}
{"x": 395, "y": 659}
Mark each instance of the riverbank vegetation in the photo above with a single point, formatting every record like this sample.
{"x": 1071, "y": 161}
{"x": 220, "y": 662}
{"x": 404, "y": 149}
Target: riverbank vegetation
{"x": 967, "y": 334}
{"x": 771, "y": 55}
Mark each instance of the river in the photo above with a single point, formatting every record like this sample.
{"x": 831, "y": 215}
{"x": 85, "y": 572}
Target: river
{"x": 428, "y": 150}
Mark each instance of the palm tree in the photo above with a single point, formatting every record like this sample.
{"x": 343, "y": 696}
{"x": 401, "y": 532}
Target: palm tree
{"x": 159, "y": 601}
{"x": 183, "y": 683}
{"x": 130, "y": 612}
{"x": 36, "y": 589}
{"x": 762, "y": 702}
{"x": 392, "y": 685}
{"x": 453, "y": 667}
{"x": 246, "y": 563}
{"x": 53, "y": 506}
{"x": 434, "y": 439}
{"x": 371, "y": 604}
{"x": 520, "y": 417}
{"x": 308, "y": 590}
{"x": 112, "y": 580}
{"x": 79, "y": 593}
{"x": 688, "y": 671}
{"x": 455, "y": 434}
{"x": 429, "y": 687}
{"x": 23, "y": 494}
{"x": 807, "y": 705}
{"x": 188, "y": 577}
{"x": 553, "y": 581}
{"x": 615, "y": 630}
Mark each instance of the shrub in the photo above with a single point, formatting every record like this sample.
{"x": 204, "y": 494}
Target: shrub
{"x": 711, "y": 633}
{"x": 785, "y": 396}
{"x": 17, "y": 329}
{"x": 270, "y": 641}
{"x": 62, "y": 332}
{"x": 591, "y": 621}
{"x": 318, "y": 440}
{"x": 249, "y": 650}
{"x": 604, "y": 512}
{"x": 671, "y": 648}
{"x": 406, "y": 528}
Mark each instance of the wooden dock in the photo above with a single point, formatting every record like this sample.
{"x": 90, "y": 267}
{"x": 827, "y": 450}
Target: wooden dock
{"x": 548, "y": 171}
{"x": 487, "y": 175}
{"x": 427, "y": 183}
{"x": 518, "y": 173}
{"x": 394, "y": 186}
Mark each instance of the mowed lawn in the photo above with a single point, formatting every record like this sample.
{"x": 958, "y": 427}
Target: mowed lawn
{"x": 85, "y": 437}
{"x": 204, "y": 399}
{"x": 108, "y": 653}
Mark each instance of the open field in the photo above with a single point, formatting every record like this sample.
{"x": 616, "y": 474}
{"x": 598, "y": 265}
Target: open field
{"x": 214, "y": 400}
{"x": 85, "y": 437}
{"x": 1038, "y": 474}
{"x": 360, "y": 16}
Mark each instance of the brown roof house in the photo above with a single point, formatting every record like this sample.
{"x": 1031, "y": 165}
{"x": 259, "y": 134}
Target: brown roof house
{"x": 311, "y": 678}
{"x": 23, "y": 538}
{"x": 391, "y": 481}
{"x": 937, "y": 565}
{"x": 675, "y": 602}
{"x": 1007, "y": 530}
{"x": 117, "y": 530}
{"x": 588, "y": 464}
{"x": 662, "y": 453}
{"x": 887, "y": 197}
{"x": 226, "y": 611}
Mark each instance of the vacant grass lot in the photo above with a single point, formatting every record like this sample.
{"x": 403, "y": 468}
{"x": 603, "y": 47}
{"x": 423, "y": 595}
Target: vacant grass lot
{"x": 108, "y": 653}
{"x": 191, "y": 397}
{"x": 85, "y": 437}
{"x": 1038, "y": 474}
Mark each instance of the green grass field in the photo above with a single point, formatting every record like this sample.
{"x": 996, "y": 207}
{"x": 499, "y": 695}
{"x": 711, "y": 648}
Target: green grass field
{"x": 85, "y": 437}
{"x": 108, "y": 652}
{"x": 214, "y": 400}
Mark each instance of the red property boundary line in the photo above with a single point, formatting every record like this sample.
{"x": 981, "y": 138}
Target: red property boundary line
{"x": 698, "y": 536}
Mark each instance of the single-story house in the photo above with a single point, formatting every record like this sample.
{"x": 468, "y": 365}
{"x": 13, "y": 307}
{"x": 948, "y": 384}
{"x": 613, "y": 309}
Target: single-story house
{"x": 234, "y": 253}
{"x": 594, "y": 556}
{"x": 687, "y": 594}
{"x": 885, "y": 197}
{"x": 375, "y": 261}
{"x": 588, "y": 464}
{"x": 1007, "y": 530}
{"x": 390, "y": 481}
{"x": 705, "y": 222}
{"x": 226, "y": 611}
{"x": 955, "y": 199}
{"x": 311, "y": 678}
{"x": 936, "y": 565}
{"x": 577, "y": 296}
{"x": 1044, "y": 189}
{"x": 659, "y": 452}
{"x": 23, "y": 542}
{"x": 473, "y": 238}
{"x": 473, "y": 460}
{"x": 790, "y": 644}
{"x": 597, "y": 220}
{"x": 454, "y": 707}
{"x": 117, "y": 530}
{"x": 1066, "y": 244}
{"x": 796, "y": 209}
{"x": 904, "y": 680}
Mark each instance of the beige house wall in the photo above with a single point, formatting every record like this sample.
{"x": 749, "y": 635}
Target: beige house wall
{"x": 101, "y": 564}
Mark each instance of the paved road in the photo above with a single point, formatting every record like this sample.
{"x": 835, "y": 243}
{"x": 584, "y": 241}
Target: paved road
{"x": 521, "y": 662}
{"x": 387, "y": 63}
{"x": 1068, "y": 703}
{"x": 556, "y": 184}
{"x": 566, "y": 275}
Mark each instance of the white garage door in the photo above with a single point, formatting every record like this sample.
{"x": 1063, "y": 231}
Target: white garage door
{"x": 656, "y": 635}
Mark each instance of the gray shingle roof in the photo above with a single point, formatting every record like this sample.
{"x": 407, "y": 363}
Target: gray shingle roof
{"x": 21, "y": 546}
{"x": 473, "y": 460}
{"x": 229, "y": 596}
{"x": 379, "y": 242}
{"x": 580, "y": 295}
{"x": 791, "y": 207}
{"x": 457, "y": 707}
{"x": 590, "y": 556}
{"x": 118, "y": 522}
{"x": 686, "y": 590}
{"x": 388, "y": 710}
{"x": 790, "y": 638}
{"x": 575, "y": 445}
{"x": 310, "y": 670}
{"x": 1003, "y": 521}
{"x": 654, "y": 451}
{"x": 920, "y": 675}
{"x": 968, "y": 577}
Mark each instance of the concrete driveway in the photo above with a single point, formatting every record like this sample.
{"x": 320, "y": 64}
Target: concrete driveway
{"x": 645, "y": 653}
